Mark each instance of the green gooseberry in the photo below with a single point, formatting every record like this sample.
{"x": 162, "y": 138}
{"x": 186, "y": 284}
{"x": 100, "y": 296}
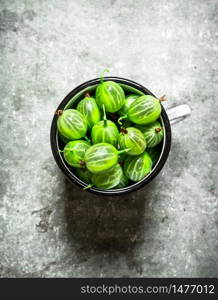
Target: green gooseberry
{"x": 105, "y": 131}
{"x": 144, "y": 110}
{"x": 110, "y": 94}
{"x": 136, "y": 168}
{"x": 89, "y": 108}
{"x": 74, "y": 152}
{"x": 71, "y": 124}
{"x": 107, "y": 180}
{"x": 128, "y": 101}
{"x": 133, "y": 139}
{"x": 101, "y": 157}
{"x": 153, "y": 133}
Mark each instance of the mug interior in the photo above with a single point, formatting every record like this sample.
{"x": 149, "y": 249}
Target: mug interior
{"x": 71, "y": 102}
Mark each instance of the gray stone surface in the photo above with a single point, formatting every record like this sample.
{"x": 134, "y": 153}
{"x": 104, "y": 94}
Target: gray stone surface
{"x": 51, "y": 229}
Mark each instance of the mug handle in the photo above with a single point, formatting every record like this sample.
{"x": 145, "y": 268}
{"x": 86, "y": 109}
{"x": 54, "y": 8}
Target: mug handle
{"x": 178, "y": 113}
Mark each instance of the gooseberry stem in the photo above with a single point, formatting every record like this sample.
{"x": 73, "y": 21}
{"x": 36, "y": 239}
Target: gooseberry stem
{"x": 82, "y": 164}
{"x": 163, "y": 98}
{"x": 87, "y": 95}
{"x": 123, "y": 151}
{"x": 121, "y": 118}
{"x": 124, "y": 130}
{"x": 104, "y": 116}
{"x": 61, "y": 151}
{"x": 87, "y": 139}
{"x": 102, "y": 75}
{"x": 59, "y": 112}
{"x": 158, "y": 129}
{"x": 88, "y": 186}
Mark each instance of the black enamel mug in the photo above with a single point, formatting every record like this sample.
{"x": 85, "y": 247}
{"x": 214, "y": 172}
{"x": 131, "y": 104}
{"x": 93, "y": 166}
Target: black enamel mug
{"x": 167, "y": 118}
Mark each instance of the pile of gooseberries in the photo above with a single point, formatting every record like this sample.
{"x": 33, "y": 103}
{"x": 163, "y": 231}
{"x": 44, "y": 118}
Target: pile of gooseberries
{"x": 112, "y": 138}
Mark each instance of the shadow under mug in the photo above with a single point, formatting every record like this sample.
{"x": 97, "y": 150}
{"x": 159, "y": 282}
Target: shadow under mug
{"x": 168, "y": 117}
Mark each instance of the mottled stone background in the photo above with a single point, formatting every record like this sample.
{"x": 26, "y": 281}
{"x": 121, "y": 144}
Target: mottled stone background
{"x": 49, "y": 228}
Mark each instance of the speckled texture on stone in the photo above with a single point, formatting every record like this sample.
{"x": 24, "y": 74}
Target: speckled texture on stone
{"x": 49, "y": 228}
